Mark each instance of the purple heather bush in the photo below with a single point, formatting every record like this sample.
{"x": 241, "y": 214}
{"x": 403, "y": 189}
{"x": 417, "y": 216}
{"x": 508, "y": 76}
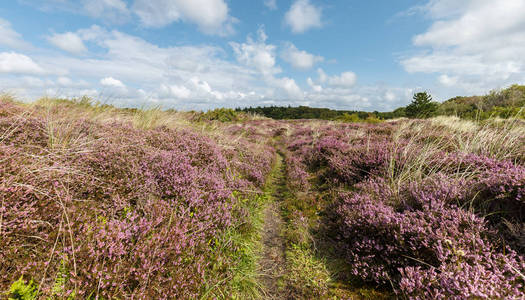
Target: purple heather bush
{"x": 437, "y": 233}
{"x": 296, "y": 174}
{"x": 115, "y": 211}
{"x": 434, "y": 251}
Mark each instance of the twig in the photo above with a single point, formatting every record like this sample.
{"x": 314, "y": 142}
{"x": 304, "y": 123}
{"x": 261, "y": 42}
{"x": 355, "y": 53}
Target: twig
{"x": 50, "y": 258}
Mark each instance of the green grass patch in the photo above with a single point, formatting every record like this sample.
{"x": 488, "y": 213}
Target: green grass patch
{"x": 239, "y": 249}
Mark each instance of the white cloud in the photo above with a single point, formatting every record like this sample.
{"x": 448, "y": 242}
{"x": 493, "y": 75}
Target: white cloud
{"x": 112, "y": 82}
{"x": 322, "y": 75}
{"x": 290, "y": 87}
{"x": 315, "y": 87}
{"x": 390, "y": 96}
{"x": 177, "y": 91}
{"x": 448, "y": 80}
{"x": 271, "y": 4}
{"x": 69, "y": 42}
{"x": 479, "y": 21}
{"x": 261, "y": 56}
{"x": 479, "y": 43}
{"x": 300, "y": 59}
{"x": 346, "y": 79}
{"x": 33, "y": 81}
{"x": 129, "y": 71}
{"x": 64, "y": 81}
{"x": 9, "y": 37}
{"x": 303, "y": 16}
{"x": 257, "y": 54}
{"x": 341, "y": 92}
{"x": 211, "y": 16}
{"x": 196, "y": 72}
{"x": 16, "y": 63}
{"x": 112, "y": 10}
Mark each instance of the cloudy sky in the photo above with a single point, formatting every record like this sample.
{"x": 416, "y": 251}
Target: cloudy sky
{"x": 202, "y": 54}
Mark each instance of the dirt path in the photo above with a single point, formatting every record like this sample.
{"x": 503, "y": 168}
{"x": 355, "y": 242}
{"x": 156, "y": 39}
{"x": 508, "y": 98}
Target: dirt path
{"x": 273, "y": 264}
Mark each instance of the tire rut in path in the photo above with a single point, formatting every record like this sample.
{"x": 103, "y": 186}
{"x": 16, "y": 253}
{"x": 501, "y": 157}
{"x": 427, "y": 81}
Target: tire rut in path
{"x": 273, "y": 262}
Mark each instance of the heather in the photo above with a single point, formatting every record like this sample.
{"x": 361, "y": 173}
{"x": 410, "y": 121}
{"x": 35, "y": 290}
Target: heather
{"x": 427, "y": 209}
{"x": 101, "y": 202}
{"x": 114, "y": 210}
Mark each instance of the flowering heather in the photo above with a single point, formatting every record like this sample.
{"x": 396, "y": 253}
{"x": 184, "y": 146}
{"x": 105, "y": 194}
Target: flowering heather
{"x": 97, "y": 202}
{"x": 432, "y": 251}
{"x": 113, "y": 211}
{"x": 418, "y": 209}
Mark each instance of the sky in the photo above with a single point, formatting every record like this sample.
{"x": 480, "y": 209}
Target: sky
{"x": 203, "y": 54}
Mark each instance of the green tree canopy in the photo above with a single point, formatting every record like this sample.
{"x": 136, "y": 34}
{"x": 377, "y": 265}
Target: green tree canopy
{"x": 422, "y": 106}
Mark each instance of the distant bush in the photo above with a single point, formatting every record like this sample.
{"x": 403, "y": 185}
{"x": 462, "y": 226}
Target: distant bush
{"x": 221, "y": 115}
{"x": 506, "y": 103}
{"x": 355, "y": 117}
{"x": 504, "y": 112}
{"x": 350, "y": 118}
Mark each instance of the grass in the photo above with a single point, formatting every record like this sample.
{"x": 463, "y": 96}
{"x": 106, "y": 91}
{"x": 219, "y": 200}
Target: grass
{"x": 307, "y": 276}
{"x": 502, "y": 140}
{"x": 314, "y": 270}
{"x": 243, "y": 281}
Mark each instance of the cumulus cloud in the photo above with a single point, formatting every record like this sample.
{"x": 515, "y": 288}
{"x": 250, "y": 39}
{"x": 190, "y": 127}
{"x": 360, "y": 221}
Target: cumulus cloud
{"x": 9, "y": 37}
{"x": 477, "y": 42}
{"x": 299, "y": 59}
{"x": 197, "y": 74}
{"x": 289, "y": 86}
{"x": 346, "y": 79}
{"x": 69, "y": 42}
{"x": 177, "y": 91}
{"x": 448, "y": 80}
{"x": 341, "y": 92}
{"x": 112, "y": 82}
{"x": 130, "y": 71}
{"x": 315, "y": 87}
{"x": 257, "y": 54}
{"x": 211, "y": 16}
{"x": 303, "y": 16}
{"x": 261, "y": 56}
{"x": 16, "y": 63}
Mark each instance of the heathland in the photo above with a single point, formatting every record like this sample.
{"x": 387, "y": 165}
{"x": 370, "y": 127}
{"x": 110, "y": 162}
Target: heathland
{"x": 98, "y": 202}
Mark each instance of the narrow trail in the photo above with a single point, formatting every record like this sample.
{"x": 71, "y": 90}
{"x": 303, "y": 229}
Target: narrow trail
{"x": 273, "y": 262}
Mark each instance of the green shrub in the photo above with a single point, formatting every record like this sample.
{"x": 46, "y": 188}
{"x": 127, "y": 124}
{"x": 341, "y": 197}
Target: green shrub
{"x": 221, "y": 115}
{"x": 19, "y": 290}
{"x": 349, "y": 118}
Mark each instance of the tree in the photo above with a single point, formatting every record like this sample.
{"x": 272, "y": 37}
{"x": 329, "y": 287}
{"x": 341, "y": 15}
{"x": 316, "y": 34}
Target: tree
{"x": 422, "y": 106}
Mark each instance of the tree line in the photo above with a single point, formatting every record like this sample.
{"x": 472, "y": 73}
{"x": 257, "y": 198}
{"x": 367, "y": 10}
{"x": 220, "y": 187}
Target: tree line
{"x": 504, "y": 103}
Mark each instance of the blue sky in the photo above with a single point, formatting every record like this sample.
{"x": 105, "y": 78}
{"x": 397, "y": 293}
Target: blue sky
{"x": 202, "y": 54}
